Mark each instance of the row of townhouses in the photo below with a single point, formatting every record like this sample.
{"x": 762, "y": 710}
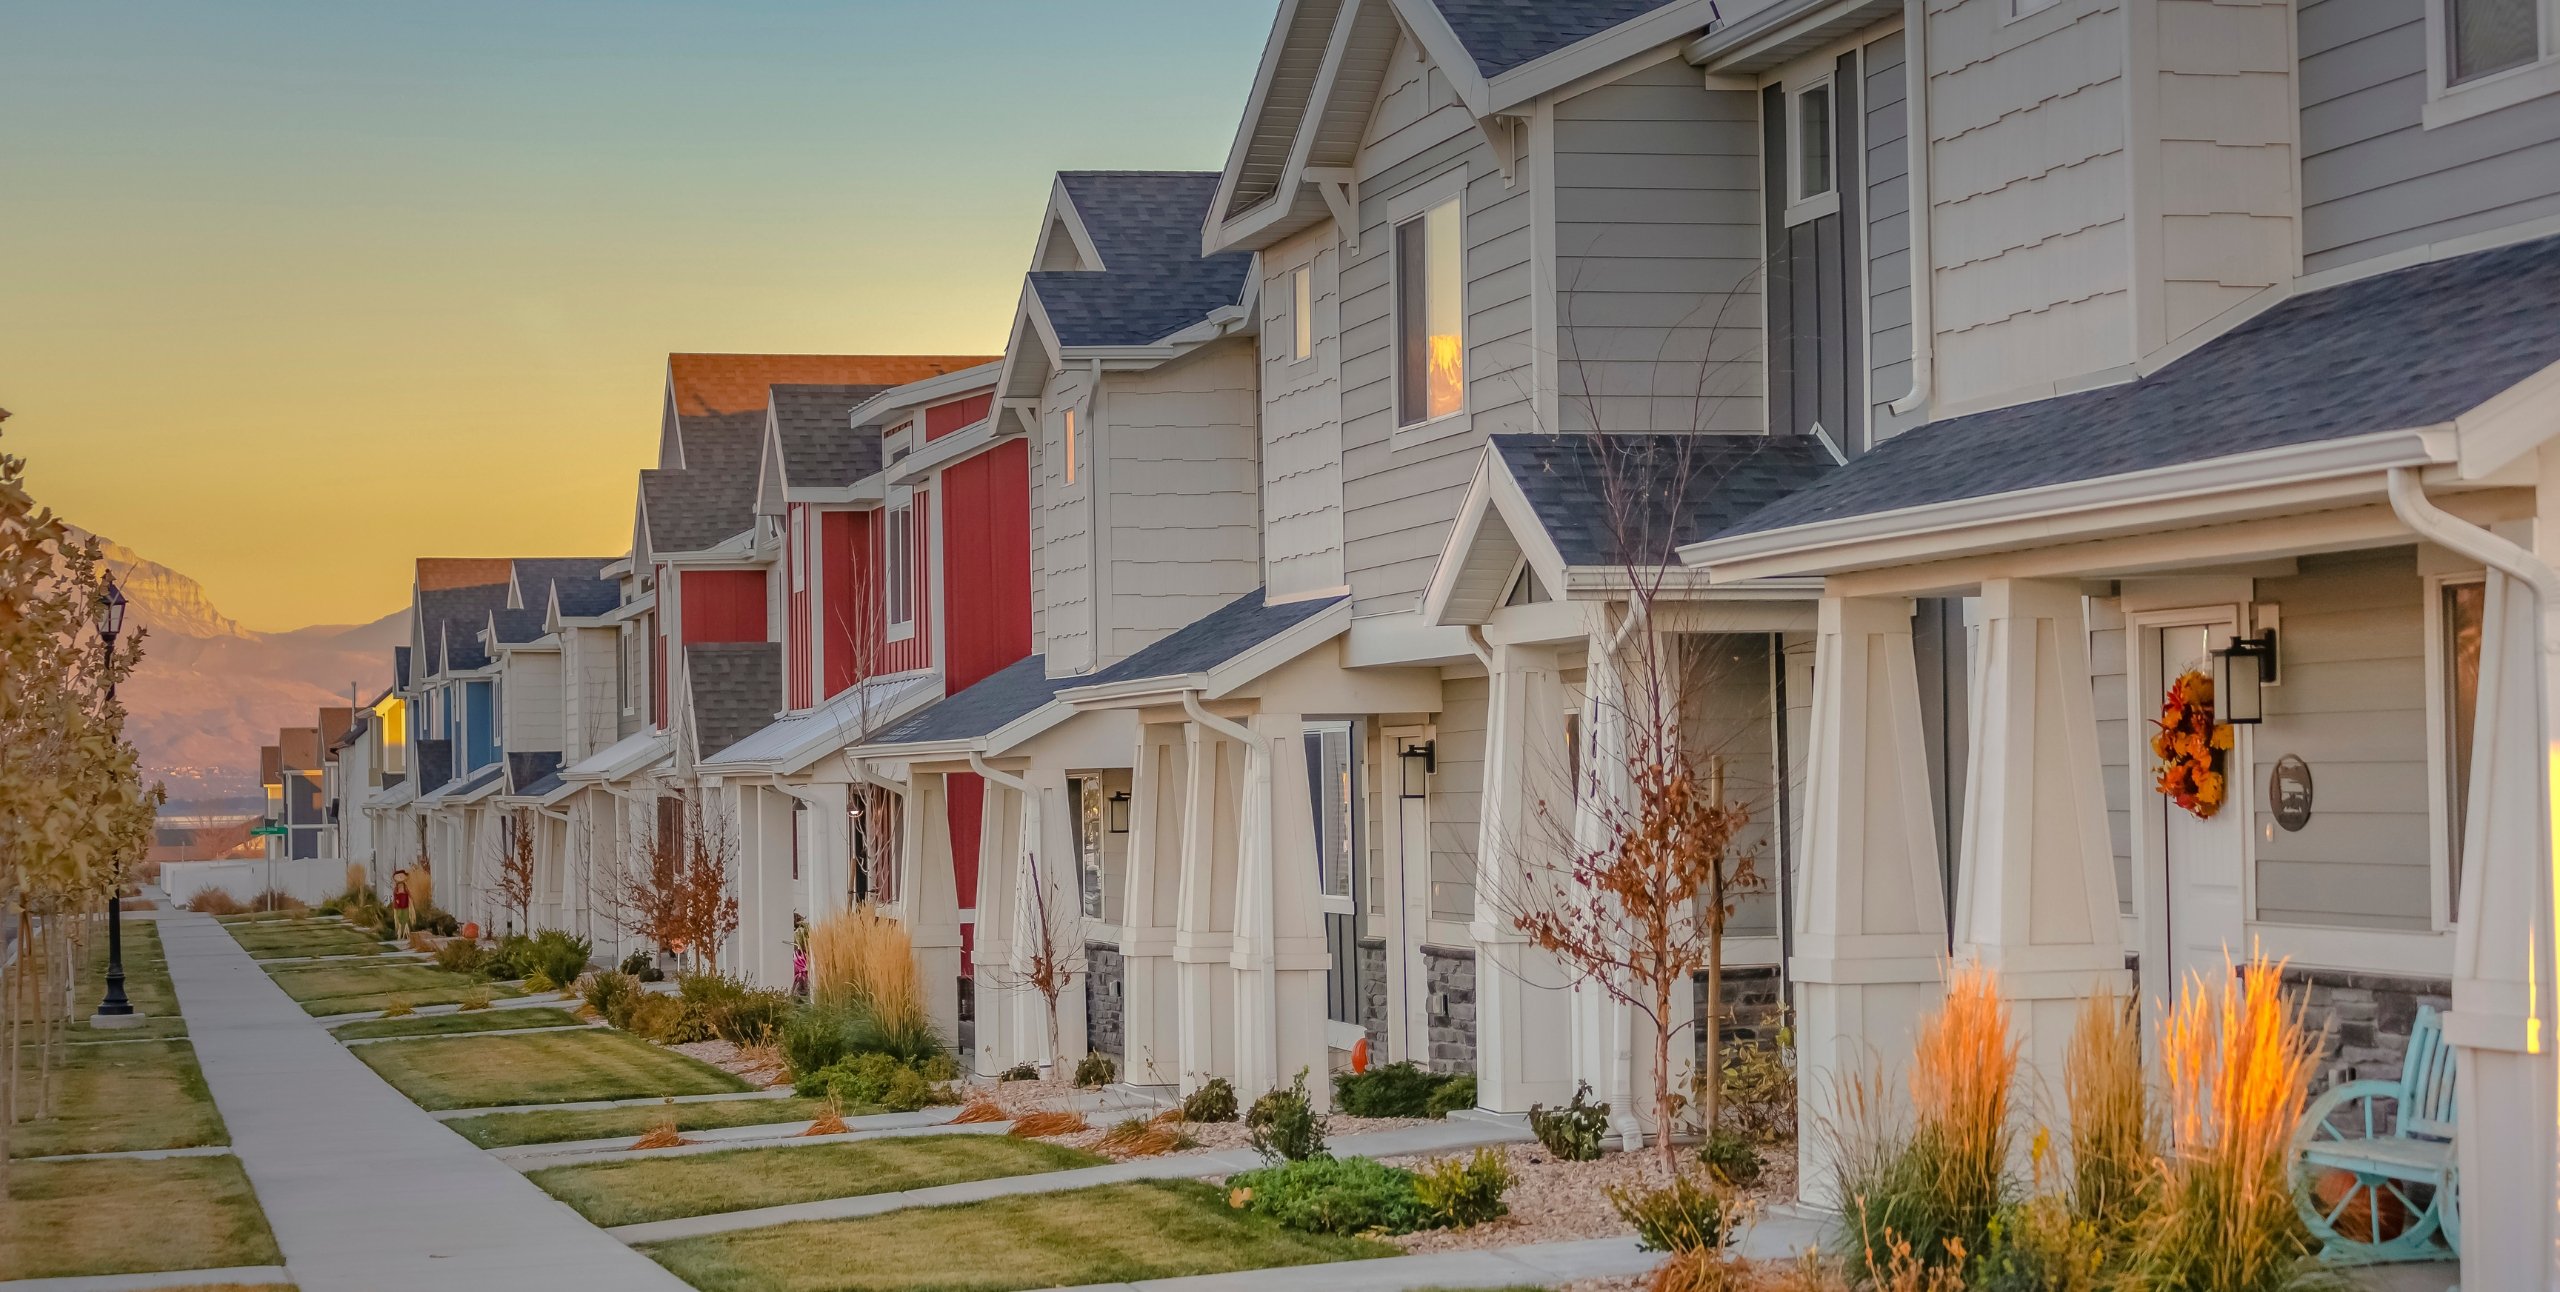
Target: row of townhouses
{"x": 1901, "y": 394}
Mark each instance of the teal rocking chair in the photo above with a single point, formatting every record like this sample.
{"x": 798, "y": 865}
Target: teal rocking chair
{"x": 2395, "y": 1140}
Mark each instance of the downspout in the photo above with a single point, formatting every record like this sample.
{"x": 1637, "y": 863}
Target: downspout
{"x": 1228, "y": 727}
{"x": 1915, "y": 139}
{"x": 978, "y": 764}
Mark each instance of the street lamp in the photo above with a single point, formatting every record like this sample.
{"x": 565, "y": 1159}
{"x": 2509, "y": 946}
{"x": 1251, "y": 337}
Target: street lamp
{"x": 115, "y": 1010}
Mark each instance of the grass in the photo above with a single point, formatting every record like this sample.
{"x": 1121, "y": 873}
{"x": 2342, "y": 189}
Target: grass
{"x": 119, "y": 1098}
{"x": 506, "y": 1130}
{"x": 130, "y": 1217}
{"x": 319, "y": 936}
{"x": 1113, "y": 1234}
{"x": 146, "y": 984}
{"x": 540, "y": 1068}
{"x": 455, "y": 1024}
{"x": 352, "y": 988}
{"x": 260, "y": 917}
{"x": 629, "y": 1193}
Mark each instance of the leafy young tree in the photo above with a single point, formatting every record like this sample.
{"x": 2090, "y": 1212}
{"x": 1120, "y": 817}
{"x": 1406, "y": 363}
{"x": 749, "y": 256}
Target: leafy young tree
{"x": 515, "y": 872}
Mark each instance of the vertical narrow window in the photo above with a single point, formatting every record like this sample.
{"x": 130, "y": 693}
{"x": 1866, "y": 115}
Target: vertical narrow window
{"x": 1813, "y": 141}
{"x": 2464, "y": 605}
{"x": 799, "y": 550}
{"x": 1302, "y": 312}
{"x": 1329, "y": 769}
{"x": 2486, "y": 37}
{"x": 1430, "y": 312}
{"x": 1070, "y": 456}
{"x": 898, "y": 556}
{"x": 1087, "y": 793}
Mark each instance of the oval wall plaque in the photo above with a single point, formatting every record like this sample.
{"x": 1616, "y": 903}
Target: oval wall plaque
{"x": 2289, "y": 792}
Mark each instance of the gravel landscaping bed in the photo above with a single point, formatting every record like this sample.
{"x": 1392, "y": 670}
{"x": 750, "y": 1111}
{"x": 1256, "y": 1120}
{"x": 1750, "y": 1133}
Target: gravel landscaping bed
{"x": 760, "y": 1065}
{"x": 1555, "y": 1201}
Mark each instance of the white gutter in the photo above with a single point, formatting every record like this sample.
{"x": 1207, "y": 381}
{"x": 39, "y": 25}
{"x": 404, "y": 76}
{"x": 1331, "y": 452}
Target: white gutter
{"x": 1227, "y": 727}
{"x": 1915, "y": 184}
{"x": 978, "y": 764}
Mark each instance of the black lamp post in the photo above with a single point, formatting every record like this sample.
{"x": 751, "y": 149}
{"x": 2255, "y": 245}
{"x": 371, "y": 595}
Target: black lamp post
{"x": 115, "y": 1010}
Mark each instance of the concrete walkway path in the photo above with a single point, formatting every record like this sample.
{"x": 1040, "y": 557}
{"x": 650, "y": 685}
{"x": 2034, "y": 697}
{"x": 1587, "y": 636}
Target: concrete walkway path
{"x": 365, "y": 1191}
{"x": 1431, "y": 1137}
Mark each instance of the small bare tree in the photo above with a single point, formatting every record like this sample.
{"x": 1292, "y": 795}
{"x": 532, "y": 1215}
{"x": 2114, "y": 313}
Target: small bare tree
{"x": 515, "y": 869}
{"x": 1053, "y": 962}
{"x": 648, "y": 891}
{"x": 707, "y": 908}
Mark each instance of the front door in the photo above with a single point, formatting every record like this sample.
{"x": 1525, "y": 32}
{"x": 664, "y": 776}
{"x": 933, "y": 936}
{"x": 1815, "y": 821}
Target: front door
{"x": 2201, "y": 860}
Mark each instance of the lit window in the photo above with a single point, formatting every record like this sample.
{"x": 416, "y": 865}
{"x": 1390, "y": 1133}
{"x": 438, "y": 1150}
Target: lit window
{"x": 2486, "y": 37}
{"x": 1430, "y": 312}
{"x": 799, "y": 550}
{"x": 899, "y": 576}
{"x": 1071, "y": 446}
{"x": 1087, "y": 791}
{"x": 1302, "y": 313}
{"x": 2463, "y": 608}
{"x": 1329, "y": 761}
{"x": 1813, "y": 141}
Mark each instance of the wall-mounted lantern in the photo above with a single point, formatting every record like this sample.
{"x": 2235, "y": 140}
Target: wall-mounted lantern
{"x": 2239, "y": 671}
{"x": 1115, "y": 811}
{"x": 1419, "y": 760}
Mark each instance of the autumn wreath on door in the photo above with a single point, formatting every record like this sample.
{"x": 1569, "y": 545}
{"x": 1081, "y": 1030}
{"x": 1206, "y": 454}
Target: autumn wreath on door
{"x": 2190, "y": 746}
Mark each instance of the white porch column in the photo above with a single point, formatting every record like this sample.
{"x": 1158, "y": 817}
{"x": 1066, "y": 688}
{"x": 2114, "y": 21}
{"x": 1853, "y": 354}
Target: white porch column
{"x": 999, "y": 844}
{"x": 826, "y": 851}
{"x": 2503, "y": 1066}
{"x": 1204, "y": 924}
{"x": 1279, "y": 955}
{"x": 1152, "y": 902}
{"x": 930, "y": 898}
{"x": 1045, "y": 863}
{"x": 1524, "y": 1004}
{"x": 1870, "y": 918}
{"x": 2037, "y": 885}
{"x": 764, "y": 941}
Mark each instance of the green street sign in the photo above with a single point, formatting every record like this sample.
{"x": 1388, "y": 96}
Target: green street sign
{"x": 266, "y": 829}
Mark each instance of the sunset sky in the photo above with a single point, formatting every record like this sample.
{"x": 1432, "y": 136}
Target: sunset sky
{"x": 291, "y": 293}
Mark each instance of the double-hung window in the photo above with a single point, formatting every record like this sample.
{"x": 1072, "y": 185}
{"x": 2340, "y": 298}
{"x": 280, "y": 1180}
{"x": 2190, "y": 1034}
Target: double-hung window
{"x": 1813, "y": 171}
{"x": 898, "y": 561}
{"x": 1431, "y": 298}
{"x": 2489, "y": 54}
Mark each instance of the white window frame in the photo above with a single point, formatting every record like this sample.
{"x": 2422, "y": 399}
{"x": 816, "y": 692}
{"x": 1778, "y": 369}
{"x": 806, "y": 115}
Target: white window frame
{"x": 1347, "y": 901}
{"x": 898, "y": 564}
{"x": 799, "y": 549}
{"x": 1067, "y": 439}
{"x": 2441, "y": 809}
{"x": 2448, "y": 103}
{"x": 1302, "y": 309}
{"x": 1802, "y": 207}
{"x": 1402, "y": 209}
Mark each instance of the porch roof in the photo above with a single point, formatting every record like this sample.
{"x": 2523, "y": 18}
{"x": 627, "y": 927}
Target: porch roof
{"x": 1010, "y": 697}
{"x": 736, "y": 689}
{"x": 1193, "y": 656}
{"x": 528, "y": 769}
{"x": 622, "y": 758}
{"x": 468, "y": 789}
{"x": 398, "y": 794}
{"x": 790, "y": 743}
{"x": 2406, "y": 350}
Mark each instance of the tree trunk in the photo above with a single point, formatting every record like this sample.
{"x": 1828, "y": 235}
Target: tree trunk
{"x": 1711, "y": 1084}
{"x": 1665, "y": 1102}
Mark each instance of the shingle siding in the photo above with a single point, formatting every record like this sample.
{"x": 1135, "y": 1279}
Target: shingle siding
{"x": 1888, "y": 210}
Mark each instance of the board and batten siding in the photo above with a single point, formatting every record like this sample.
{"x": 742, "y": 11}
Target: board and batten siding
{"x": 1182, "y": 522}
{"x": 1657, "y": 276}
{"x": 2374, "y": 179}
{"x": 1302, "y": 418}
{"x": 1888, "y": 206}
{"x": 1725, "y": 715}
{"x": 1457, "y": 795}
{"x": 2352, "y": 702}
{"x": 2027, "y": 123}
{"x": 1065, "y": 532}
{"x": 1398, "y": 501}
{"x": 2107, "y": 700}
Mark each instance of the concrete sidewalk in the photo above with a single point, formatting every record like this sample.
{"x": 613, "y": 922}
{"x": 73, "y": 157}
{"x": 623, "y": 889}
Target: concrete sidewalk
{"x": 365, "y": 1191}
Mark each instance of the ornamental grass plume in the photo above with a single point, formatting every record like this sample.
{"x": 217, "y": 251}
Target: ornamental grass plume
{"x": 1929, "y": 1189}
{"x": 2238, "y": 1059}
{"x": 864, "y": 961}
{"x": 1044, "y": 1125}
{"x": 830, "y": 1119}
{"x": 2113, "y": 1135}
{"x": 662, "y": 1133}
{"x": 980, "y": 1108}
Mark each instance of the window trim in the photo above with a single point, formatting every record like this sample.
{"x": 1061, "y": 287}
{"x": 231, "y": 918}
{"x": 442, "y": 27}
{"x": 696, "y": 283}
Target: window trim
{"x": 2440, "y": 805}
{"x": 897, "y": 564}
{"x": 1802, "y": 207}
{"x": 2448, "y": 103}
{"x": 1067, "y": 441}
{"x": 1404, "y": 208}
{"x": 1315, "y": 730}
{"x": 1302, "y": 308}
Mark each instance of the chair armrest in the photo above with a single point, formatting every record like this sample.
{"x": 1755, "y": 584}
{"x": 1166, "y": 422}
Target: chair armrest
{"x": 2318, "y": 1113}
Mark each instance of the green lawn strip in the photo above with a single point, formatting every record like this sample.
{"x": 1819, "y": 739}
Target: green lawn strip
{"x": 326, "y": 989}
{"x": 120, "y": 1098}
{"x": 665, "y": 1188}
{"x": 307, "y": 938}
{"x": 541, "y": 1068}
{"x": 478, "y": 1020}
{"x": 508, "y": 1130}
{"x": 262, "y": 917}
{"x": 146, "y": 985}
{"x": 132, "y": 1217}
{"x": 1117, "y": 1233}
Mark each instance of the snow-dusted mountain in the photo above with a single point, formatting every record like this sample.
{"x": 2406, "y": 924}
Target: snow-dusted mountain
{"x": 210, "y": 692}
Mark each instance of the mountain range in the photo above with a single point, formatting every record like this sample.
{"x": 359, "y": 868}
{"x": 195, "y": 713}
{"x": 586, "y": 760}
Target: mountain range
{"x": 210, "y": 692}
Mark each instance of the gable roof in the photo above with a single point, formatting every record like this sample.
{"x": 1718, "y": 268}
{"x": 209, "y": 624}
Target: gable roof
{"x": 438, "y": 572}
{"x": 1615, "y": 498}
{"x": 2408, "y": 349}
{"x": 1153, "y": 281}
{"x": 1001, "y": 698}
{"x": 1503, "y": 34}
{"x": 400, "y": 668}
{"x": 736, "y": 688}
{"x": 587, "y": 598}
{"x": 712, "y": 498}
{"x": 813, "y": 426}
{"x": 535, "y": 575}
{"x": 714, "y": 384}
{"x": 1224, "y": 634}
{"x": 449, "y": 624}
{"x": 515, "y": 627}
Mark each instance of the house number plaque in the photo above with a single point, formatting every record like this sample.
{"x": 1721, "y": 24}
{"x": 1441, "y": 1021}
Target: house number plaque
{"x": 2289, "y": 792}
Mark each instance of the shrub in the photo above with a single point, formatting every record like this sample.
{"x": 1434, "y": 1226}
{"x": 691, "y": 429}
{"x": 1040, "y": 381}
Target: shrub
{"x": 422, "y": 942}
{"x": 1214, "y": 1101}
{"x": 1459, "y": 1192}
{"x": 1936, "y": 1187}
{"x": 610, "y": 994}
{"x": 214, "y": 901}
{"x": 1574, "y": 1132}
{"x": 462, "y": 955}
{"x": 539, "y": 983}
{"x": 643, "y": 966}
{"x": 511, "y": 958}
{"x": 276, "y": 899}
{"x": 2039, "y": 1247}
{"x": 1140, "y": 1137}
{"x": 440, "y": 923}
{"x": 559, "y": 955}
{"x": 865, "y": 960}
{"x": 399, "y": 1008}
{"x": 1758, "y": 1096}
{"x": 1095, "y": 1070}
{"x": 476, "y": 998}
{"x": 1401, "y": 1089}
{"x": 1684, "y": 1215}
{"x": 1283, "y": 1125}
{"x": 752, "y": 1019}
{"x": 1455, "y": 1095}
{"x": 1020, "y": 1072}
{"x": 979, "y": 1109}
{"x": 1043, "y": 1125}
{"x": 1729, "y": 1157}
{"x": 653, "y": 1017}
{"x": 2112, "y": 1138}
{"x": 1325, "y": 1195}
{"x": 815, "y": 1038}
{"x": 878, "y": 1079}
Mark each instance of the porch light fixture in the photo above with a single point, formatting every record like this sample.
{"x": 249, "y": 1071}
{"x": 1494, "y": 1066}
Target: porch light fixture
{"x": 1420, "y": 759}
{"x": 2239, "y": 670}
{"x": 1115, "y": 813}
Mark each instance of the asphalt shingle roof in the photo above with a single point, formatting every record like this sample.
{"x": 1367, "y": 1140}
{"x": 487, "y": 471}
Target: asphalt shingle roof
{"x": 1146, "y": 225}
{"x": 400, "y": 667}
{"x": 1624, "y": 499}
{"x": 736, "y": 383}
{"x": 516, "y": 627}
{"x": 1503, "y": 34}
{"x": 2416, "y": 347}
{"x": 452, "y": 619}
{"x": 1213, "y": 639}
{"x": 737, "y": 688}
{"x": 714, "y": 497}
{"x": 820, "y": 448}
{"x": 584, "y": 591}
{"x": 435, "y": 764}
{"x": 526, "y": 770}
{"x": 588, "y": 598}
{"x": 999, "y": 698}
